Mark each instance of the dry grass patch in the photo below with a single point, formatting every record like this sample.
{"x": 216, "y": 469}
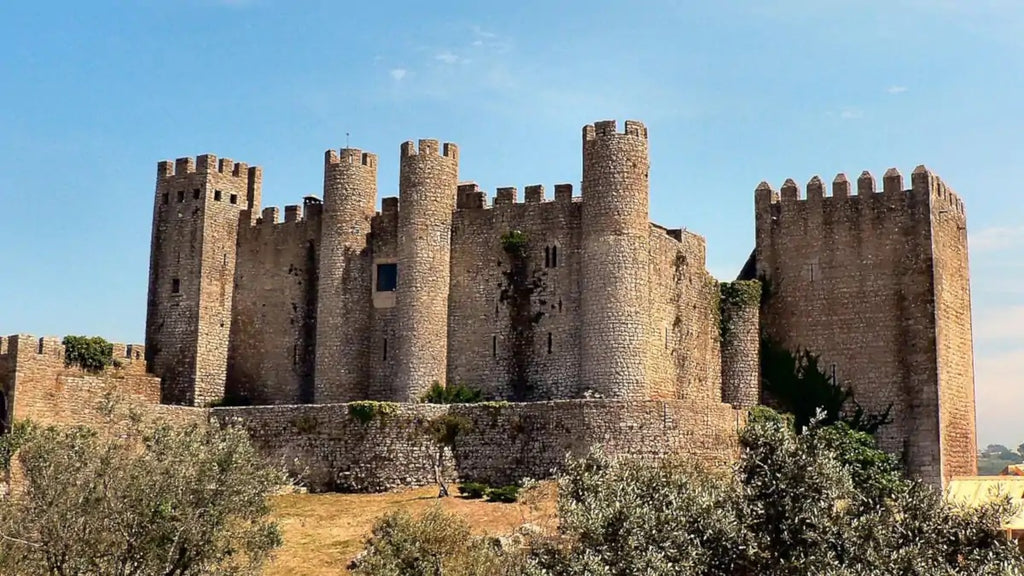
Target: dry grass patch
{"x": 323, "y": 532}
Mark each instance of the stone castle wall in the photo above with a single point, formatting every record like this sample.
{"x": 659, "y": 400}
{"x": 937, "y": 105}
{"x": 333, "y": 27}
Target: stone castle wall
{"x": 37, "y": 386}
{"x": 850, "y": 277}
{"x": 505, "y": 443}
{"x": 274, "y": 318}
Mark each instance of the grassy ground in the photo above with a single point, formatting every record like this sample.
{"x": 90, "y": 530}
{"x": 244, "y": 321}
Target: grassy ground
{"x": 323, "y": 532}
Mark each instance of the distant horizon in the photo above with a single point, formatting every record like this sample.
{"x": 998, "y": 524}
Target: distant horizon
{"x": 732, "y": 93}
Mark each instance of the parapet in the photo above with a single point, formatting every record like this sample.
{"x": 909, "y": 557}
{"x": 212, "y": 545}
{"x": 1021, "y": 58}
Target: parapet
{"x": 924, "y": 185}
{"x": 206, "y": 164}
{"x": 389, "y": 205}
{"x": 469, "y": 196}
{"x": 534, "y": 194}
{"x": 26, "y": 347}
{"x": 350, "y": 156}
{"x": 430, "y": 147}
{"x": 506, "y": 196}
{"x": 310, "y": 209}
{"x": 608, "y": 128}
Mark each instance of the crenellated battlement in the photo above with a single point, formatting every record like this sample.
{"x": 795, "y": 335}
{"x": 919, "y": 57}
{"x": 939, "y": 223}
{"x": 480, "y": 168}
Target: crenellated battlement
{"x": 25, "y": 347}
{"x": 925, "y": 186}
{"x": 207, "y": 164}
{"x": 350, "y": 156}
{"x": 430, "y": 147}
{"x": 310, "y": 209}
{"x": 609, "y": 129}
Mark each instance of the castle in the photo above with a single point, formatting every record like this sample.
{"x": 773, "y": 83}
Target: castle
{"x": 595, "y": 324}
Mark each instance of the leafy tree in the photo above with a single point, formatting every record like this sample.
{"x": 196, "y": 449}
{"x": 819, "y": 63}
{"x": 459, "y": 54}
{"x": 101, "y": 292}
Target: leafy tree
{"x": 443, "y": 430}
{"x": 801, "y": 387}
{"x": 1020, "y": 450}
{"x": 139, "y": 499}
{"x": 90, "y": 354}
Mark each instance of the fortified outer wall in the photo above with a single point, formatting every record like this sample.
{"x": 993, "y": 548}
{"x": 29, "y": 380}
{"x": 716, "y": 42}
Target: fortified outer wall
{"x": 38, "y": 386}
{"x": 506, "y": 442}
{"x": 196, "y": 212}
{"x": 851, "y": 278}
{"x": 274, "y": 319}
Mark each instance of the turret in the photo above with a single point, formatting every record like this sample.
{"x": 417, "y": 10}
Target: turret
{"x": 427, "y": 189}
{"x": 739, "y": 327}
{"x": 615, "y": 265}
{"x": 197, "y": 209}
{"x": 343, "y": 306}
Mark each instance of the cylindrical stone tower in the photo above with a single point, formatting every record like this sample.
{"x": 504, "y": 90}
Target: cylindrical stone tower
{"x": 426, "y": 196}
{"x": 344, "y": 297}
{"x": 614, "y": 285}
{"x": 741, "y": 338}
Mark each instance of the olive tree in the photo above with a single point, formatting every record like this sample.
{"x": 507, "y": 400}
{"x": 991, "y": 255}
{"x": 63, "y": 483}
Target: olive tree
{"x": 139, "y": 499}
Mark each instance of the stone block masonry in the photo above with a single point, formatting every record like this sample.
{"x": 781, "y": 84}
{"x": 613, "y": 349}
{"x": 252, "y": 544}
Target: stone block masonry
{"x": 600, "y": 326}
{"x": 877, "y": 283}
{"x": 506, "y": 442}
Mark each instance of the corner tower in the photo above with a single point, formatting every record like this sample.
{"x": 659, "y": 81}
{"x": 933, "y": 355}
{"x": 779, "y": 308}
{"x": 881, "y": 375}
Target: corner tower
{"x": 877, "y": 283}
{"x": 427, "y": 187}
{"x": 616, "y": 258}
{"x": 343, "y": 305}
{"x": 196, "y": 213}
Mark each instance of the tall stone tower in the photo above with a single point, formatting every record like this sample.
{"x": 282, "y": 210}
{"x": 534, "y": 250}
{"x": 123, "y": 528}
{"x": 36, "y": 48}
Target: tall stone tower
{"x": 343, "y": 307}
{"x": 427, "y": 188}
{"x": 196, "y": 213}
{"x": 616, "y": 258}
{"x": 877, "y": 284}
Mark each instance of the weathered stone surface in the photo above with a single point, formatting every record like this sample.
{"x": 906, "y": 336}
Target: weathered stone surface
{"x": 878, "y": 284}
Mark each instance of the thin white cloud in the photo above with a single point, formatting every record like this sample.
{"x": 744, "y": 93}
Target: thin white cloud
{"x": 447, "y": 57}
{"x": 851, "y": 114}
{"x": 996, "y": 238}
{"x": 398, "y": 74}
{"x": 896, "y": 89}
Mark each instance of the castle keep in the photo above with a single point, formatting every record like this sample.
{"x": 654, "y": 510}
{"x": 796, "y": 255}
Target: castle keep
{"x": 595, "y": 324}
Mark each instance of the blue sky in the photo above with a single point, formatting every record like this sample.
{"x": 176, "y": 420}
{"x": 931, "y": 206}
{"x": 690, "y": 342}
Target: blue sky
{"x": 93, "y": 94}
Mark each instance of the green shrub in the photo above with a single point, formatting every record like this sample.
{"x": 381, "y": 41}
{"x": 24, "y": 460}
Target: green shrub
{"x": 456, "y": 393}
{"x": 433, "y": 543}
{"x": 473, "y": 490}
{"x": 365, "y": 410}
{"x": 90, "y": 354}
{"x": 507, "y": 494}
{"x": 515, "y": 244}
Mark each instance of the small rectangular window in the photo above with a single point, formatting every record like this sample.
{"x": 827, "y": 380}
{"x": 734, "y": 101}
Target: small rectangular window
{"x": 217, "y": 195}
{"x": 234, "y": 199}
{"x": 387, "y": 277}
{"x": 175, "y": 286}
{"x": 549, "y": 342}
{"x": 494, "y": 346}
{"x": 554, "y": 256}
{"x": 181, "y": 195}
{"x": 166, "y": 198}
{"x": 547, "y": 257}
{"x": 195, "y": 193}
{"x": 385, "y": 348}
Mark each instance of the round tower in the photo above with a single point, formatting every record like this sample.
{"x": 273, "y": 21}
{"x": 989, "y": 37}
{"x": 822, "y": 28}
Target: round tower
{"x": 428, "y": 180}
{"x": 343, "y": 303}
{"x": 615, "y": 266}
{"x": 740, "y": 327}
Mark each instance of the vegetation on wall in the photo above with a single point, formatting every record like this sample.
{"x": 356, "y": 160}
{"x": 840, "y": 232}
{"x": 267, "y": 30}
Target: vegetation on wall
{"x": 797, "y": 384}
{"x": 517, "y": 295}
{"x": 735, "y": 296}
{"x": 365, "y": 410}
{"x": 91, "y": 354}
{"x": 453, "y": 393}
